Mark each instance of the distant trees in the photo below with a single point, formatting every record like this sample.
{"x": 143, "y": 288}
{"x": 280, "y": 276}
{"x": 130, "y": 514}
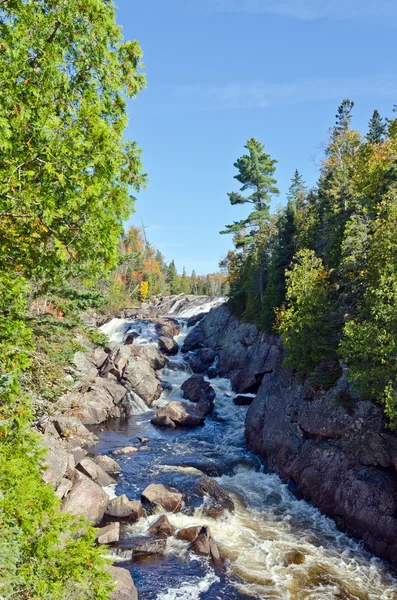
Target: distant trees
{"x": 322, "y": 271}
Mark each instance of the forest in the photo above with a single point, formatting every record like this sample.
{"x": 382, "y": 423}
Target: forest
{"x": 320, "y": 271}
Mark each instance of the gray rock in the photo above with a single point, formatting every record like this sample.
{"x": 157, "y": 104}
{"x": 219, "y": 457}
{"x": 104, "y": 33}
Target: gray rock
{"x": 127, "y": 450}
{"x": 140, "y": 378}
{"x": 56, "y": 462}
{"x": 145, "y": 545}
{"x": 64, "y": 487}
{"x": 95, "y": 472}
{"x": 86, "y": 498}
{"x": 168, "y": 345}
{"x": 181, "y": 414}
{"x": 122, "y": 508}
{"x": 162, "y": 527}
{"x": 125, "y": 587}
{"x": 151, "y": 354}
{"x": 73, "y": 430}
{"x": 162, "y": 495}
{"x": 107, "y": 464}
{"x": 109, "y": 534}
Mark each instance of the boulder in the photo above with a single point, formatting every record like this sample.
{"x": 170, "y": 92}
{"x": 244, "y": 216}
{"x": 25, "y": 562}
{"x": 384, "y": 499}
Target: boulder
{"x": 201, "y": 360}
{"x": 243, "y": 400}
{"x": 157, "y": 360}
{"x": 73, "y": 430}
{"x": 125, "y": 451}
{"x": 167, "y": 326}
{"x": 64, "y": 487}
{"x": 162, "y": 495}
{"x": 217, "y": 499}
{"x": 95, "y": 472}
{"x": 109, "y": 534}
{"x": 168, "y": 345}
{"x": 125, "y": 587}
{"x": 56, "y": 462}
{"x": 103, "y": 399}
{"x": 179, "y": 414}
{"x": 163, "y": 422}
{"x": 86, "y": 498}
{"x": 194, "y": 340}
{"x": 122, "y": 508}
{"x": 196, "y": 388}
{"x": 204, "y": 545}
{"x": 140, "y": 378}
{"x": 107, "y": 464}
{"x": 162, "y": 527}
{"x": 144, "y": 545}
{"x": 189, "y": 534}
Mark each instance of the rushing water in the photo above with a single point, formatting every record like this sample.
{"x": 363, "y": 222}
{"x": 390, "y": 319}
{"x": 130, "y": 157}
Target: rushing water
{"x": 274, "y": 545}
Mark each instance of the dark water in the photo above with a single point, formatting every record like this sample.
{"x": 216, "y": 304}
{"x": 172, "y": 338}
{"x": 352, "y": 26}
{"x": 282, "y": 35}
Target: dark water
{"x": 257, "y": 540}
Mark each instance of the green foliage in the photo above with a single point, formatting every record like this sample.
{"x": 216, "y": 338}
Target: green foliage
{"x": 337, "y": 303}
{"x": 255, "y": 172}
{"x": 369, "y": 345}
{"x": 65, "y": 75}
{"x": 304, "y": 323}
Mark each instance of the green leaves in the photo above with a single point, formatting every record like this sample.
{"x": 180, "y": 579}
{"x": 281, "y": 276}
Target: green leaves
{"x": 66, "y": 178}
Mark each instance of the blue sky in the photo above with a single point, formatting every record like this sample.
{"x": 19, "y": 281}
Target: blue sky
{"x": 222, "y": 71}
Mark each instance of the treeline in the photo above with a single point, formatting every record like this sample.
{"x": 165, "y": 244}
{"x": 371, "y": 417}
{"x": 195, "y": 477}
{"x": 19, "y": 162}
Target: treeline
{"x": 322, "y": 271}
{"x": 66, "y": 175}
{"x": 143, "y": 272}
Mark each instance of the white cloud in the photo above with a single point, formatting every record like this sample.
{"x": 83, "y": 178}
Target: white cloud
{"x": 310, "y": 9}
{"x": 258, "y": 94}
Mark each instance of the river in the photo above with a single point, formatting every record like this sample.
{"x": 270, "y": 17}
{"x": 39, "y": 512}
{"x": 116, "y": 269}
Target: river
{"x": 274, "y": 545}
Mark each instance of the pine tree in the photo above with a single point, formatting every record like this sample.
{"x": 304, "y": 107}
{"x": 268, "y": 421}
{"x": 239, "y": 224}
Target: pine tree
{"x": 255, "y": 173}
{"x": 376, "y": 129}
{"x": 173, "y": 279}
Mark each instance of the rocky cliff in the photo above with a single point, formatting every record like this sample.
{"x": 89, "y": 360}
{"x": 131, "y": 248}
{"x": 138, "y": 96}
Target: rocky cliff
{"x": 333, "y": 451}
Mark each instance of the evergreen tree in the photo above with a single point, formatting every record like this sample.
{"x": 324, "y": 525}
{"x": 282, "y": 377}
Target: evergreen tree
{"x": 173, "y": 279}
{"x": 343, "y": 118}
{"x": 255, "y": 173}
{"x": 184, "y": 283}
{"x": 376, "y": 129}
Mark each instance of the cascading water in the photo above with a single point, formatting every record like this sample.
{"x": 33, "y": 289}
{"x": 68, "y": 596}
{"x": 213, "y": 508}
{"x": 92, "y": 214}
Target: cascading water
{"x": 274, "y": 545}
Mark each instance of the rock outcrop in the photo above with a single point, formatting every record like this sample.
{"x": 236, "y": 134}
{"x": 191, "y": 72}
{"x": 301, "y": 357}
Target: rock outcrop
{"x": 332, "y": 449}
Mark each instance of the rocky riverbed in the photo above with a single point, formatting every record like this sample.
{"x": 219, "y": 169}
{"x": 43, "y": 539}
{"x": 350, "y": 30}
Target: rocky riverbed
{"x": 150, "y": 446}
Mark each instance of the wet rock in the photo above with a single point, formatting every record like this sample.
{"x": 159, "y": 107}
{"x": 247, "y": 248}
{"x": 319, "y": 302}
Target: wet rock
{"x": 161, "y": 495}
{"x": 109, "y": 534}
{"x": 144, "y": 440}
{"x": 218, "y": 500}
{"x": 145, "y": 545}
{"x": 125, "y": 587}
{"x": 204, "y": 545}
{"x": 163, "y": 422}
{"x": 196, "y": 388}
{"x": 194, "y": 340}
{"x": 180, "y": 414}
{"x": 212, "y": 373}
{"x": 95, "y": 472}
{"x": 243, "y": 400}
{"x": 196, "y": 319}
{"x": 122, "y": 508}
{"x": 103, "y": 399}
{"x": 157, "y": 360}
{"x": 189, "y": 534}
{"x": 201, "y": 359}
{"x": 107, "y": 464}
{"x": 125, "y": 451}
{"x": 86, "y": 498}
{"x": 167, "y": 326}
{"x": 168, "y": 345}
{"x": 294, "y": 557}
{"x": 162, "y": 527}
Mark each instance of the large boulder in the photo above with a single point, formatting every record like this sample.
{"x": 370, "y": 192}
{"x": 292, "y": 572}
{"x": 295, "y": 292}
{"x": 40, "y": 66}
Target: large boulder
{"x": 168, "y": 345}
{"x": 107, "y": 464}
{"x": 125, "y": 587}
{"x": 200, "y": 391}
{"x": 109, "y": 534}
{"x": 140, "y": 378}
{"x": 95, "y": 472}
{"x": 145, "y": 545}
{"x": 204, "y": 545}
{"x": 73, "y": 431}
{"x": 161, "y": 495}
{"x": 103, "y": 399}
{"x": 217, "y": 500}
{"x": 201, "y": 360}
{"x": 162, "y": 527}
{"x": 178, "y": 414}
{"x": 86, "y": 498}
{"x": 156, "y": 359}
{"x": 56, "y": 462}
{"x": 122, "y": 508}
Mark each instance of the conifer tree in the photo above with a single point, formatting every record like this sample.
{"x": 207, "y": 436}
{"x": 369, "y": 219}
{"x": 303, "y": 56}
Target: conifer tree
{"x": 376, "y": 128}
